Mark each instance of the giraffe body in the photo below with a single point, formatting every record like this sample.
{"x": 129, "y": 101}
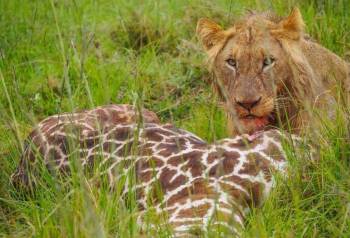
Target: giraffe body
{"x": 202, "y": 185}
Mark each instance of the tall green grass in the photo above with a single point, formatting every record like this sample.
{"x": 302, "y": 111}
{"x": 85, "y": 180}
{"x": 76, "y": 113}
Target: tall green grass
{"x": 65, "y": 55}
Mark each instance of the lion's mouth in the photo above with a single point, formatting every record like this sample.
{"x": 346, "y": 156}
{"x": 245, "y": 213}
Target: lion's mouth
{"x": 255, "y": 119}
{"x": 253, "y": 123}
{"x": 250, "y": 117}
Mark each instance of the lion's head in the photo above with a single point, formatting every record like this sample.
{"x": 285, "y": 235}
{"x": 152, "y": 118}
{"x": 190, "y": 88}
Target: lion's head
{"x": 256, "y": 64}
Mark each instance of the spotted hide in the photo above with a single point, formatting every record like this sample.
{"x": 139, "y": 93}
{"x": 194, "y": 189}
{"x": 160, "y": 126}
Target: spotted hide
{"x": 196, "y": 186}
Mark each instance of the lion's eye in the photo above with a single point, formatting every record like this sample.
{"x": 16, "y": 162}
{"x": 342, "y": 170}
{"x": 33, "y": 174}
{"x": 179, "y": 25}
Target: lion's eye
{"x": 231, "y": 63}
{"x": 268, "y": 61}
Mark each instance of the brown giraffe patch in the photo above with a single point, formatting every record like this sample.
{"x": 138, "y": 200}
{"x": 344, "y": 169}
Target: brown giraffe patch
{"x": 199, "y": 211}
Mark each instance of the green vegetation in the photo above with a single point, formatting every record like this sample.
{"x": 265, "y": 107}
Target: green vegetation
{"x": 58, "y": 56}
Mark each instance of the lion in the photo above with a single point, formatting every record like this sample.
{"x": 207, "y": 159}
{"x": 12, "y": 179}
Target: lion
{"x": 269, "y": 72}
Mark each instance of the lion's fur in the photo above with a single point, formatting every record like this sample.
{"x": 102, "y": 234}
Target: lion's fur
{"x": 305, "y": 72}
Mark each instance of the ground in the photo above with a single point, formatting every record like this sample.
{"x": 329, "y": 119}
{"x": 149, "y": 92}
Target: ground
{"x": 65, "y": 55}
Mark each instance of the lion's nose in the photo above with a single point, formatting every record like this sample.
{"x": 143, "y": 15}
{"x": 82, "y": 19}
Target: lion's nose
{"x": 248, "y": 104}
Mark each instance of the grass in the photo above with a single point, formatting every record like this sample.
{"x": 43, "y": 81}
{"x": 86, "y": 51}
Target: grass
{"x": 65, "y": 55}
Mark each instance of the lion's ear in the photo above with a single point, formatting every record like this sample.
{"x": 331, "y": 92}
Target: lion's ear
{"x": 209, "y": 33}
{"x": 290, "y": 27}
